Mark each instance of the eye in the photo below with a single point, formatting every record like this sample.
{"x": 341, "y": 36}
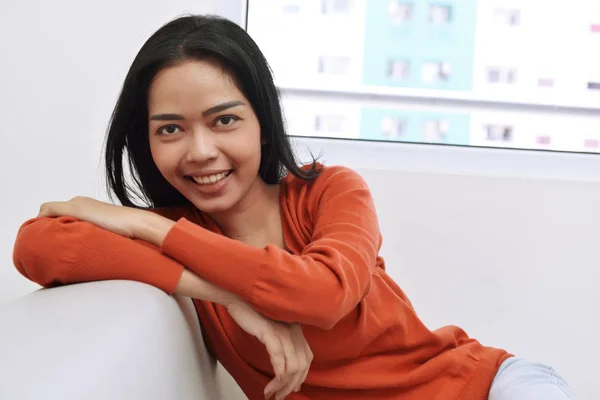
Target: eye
{"x": 226, "y": 120}
{"x": 168, "y": 130}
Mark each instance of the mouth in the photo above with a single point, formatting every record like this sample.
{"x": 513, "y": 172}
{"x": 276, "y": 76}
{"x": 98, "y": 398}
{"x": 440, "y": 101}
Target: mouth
{"x": 209, "y": 180}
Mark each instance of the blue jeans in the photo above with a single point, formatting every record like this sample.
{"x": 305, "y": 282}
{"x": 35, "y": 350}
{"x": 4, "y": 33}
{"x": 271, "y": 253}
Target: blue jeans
{"x": 519, "y": 379}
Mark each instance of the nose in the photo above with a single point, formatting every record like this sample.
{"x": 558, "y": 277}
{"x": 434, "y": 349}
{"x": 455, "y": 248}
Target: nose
{"x": 202, "y": 147}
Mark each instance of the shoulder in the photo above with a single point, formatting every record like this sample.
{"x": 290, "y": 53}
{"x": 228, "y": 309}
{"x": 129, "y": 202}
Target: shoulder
{"x": 329, "y": 174}
{"x": 332, "y": 181}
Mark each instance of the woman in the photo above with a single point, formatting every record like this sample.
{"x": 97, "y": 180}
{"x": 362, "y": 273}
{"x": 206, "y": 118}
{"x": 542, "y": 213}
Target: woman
{"x": 282, "y": 260}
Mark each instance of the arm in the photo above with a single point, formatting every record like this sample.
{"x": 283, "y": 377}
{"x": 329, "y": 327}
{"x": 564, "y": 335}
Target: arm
{"x": 63, "y": 250}
{"x": 318, "y": 287}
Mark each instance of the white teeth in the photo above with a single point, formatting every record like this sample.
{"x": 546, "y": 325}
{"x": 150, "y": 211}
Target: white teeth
{"x": 211, "y": 179}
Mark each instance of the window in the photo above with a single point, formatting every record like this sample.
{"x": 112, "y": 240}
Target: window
{"x": 501, "y": 75}
{"x": 290, "y": 7}
{"x": 440, "y": 14}
{"x": 434, "y": 72}
{"x": 499, "y": 133}
{"x": 435, "y": 131}
{"x": 330, "y": 123}
{"x": 336, "y": 6}
{"x": 508, "y": 17}
{"x": 481, "y": 73}
{"x": 334, "y": 65}
{"x": 393, "y": 128}
{"x": 400, "y": 12}
{"x": 399, "y": 69}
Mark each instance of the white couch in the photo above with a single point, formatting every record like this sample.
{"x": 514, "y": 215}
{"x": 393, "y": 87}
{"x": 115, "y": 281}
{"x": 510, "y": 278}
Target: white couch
{"x": 106, "y": 340}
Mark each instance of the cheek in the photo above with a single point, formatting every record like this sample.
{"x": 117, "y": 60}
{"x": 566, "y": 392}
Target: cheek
{"x": 165, "y": 158}
{"x": 255, "y": 147}
{"x": 252, "y": 153}
{"x": 243, "y": 148}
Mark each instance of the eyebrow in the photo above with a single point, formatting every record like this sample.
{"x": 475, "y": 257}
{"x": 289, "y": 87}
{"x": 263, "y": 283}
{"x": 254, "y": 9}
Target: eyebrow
{"x": 210, "y": 111}
{"x": 222, "y": 107}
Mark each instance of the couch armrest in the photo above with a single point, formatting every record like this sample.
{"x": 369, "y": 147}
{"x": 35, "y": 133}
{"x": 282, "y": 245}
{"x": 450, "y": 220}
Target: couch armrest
{"x": 105, "y": 340}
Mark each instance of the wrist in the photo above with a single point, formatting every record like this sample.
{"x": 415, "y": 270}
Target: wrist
{"x": 191, "y": 285}
{"x": 151, "y": 227}
{"x": 230, "y": 299}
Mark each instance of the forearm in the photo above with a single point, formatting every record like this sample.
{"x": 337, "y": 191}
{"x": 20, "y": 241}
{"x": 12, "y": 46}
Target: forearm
{"x": 191, "y": 285}
{"x": 152, "y": 228}
{"x": 64, "y": 250}
{"x": 319, "y": 299}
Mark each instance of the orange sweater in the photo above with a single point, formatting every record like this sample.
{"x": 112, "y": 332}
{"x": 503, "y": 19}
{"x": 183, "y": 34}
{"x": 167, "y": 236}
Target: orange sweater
{"x": 366, "y": 337}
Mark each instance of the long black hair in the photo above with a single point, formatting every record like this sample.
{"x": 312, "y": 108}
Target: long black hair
{"x": 192, "y": 38}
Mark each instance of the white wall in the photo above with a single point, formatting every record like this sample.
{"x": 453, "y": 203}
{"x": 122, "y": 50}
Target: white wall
{"x": 501, "y": 243}
{"x": 513, "y": 261}
{"x": 63, "y": 63}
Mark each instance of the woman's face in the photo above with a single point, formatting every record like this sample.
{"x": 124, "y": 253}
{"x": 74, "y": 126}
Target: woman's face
{"x": 204, "y": 136}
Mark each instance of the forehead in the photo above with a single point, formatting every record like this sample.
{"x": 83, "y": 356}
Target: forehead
{"x": 198, "y": 82}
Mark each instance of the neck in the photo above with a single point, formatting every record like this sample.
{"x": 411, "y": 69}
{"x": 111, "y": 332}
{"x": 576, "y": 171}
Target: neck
{"x": 252, "y": 217}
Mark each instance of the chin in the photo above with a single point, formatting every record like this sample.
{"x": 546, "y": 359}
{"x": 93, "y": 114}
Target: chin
{"x": 219, "y": 200}
{"x": 211, "y": 209}
{"x": 213, "y": 206}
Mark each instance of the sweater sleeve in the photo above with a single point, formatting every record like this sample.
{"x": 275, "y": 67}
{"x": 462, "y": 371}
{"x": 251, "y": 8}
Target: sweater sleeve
{"x": 317, "y": 287}
{"x": 64, "y": 250}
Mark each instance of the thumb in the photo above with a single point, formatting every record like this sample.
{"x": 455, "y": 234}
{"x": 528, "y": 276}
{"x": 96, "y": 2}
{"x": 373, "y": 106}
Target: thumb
{"x": 56, "y": 209}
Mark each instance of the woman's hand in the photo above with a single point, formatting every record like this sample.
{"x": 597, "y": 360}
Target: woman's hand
{"x": 118, "y": 219}
{"x": 290, "y": 354}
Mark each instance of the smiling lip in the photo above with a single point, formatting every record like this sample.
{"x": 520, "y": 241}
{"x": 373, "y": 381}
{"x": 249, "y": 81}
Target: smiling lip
{"x": 210, "y": 183}
{"x": 206, "y": 172}
{"x": 210, "y": 179}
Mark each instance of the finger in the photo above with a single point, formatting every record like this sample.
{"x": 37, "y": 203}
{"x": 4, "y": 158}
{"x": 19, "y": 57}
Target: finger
{"x": 292, "y": 363}
{"x": 50, "y": 209}
{"x": 289, "y": 387}
{"x": 301, "y": 380}
{"x": 274, "y": 386}
{"x": 43, "y": 210}
{"x": 301, "y": 362}
{"x": 302, "y": 370}
{"x": 291, "y": 366}
{"x": 306, "y": 353}
{"x": 275, "y": 350}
